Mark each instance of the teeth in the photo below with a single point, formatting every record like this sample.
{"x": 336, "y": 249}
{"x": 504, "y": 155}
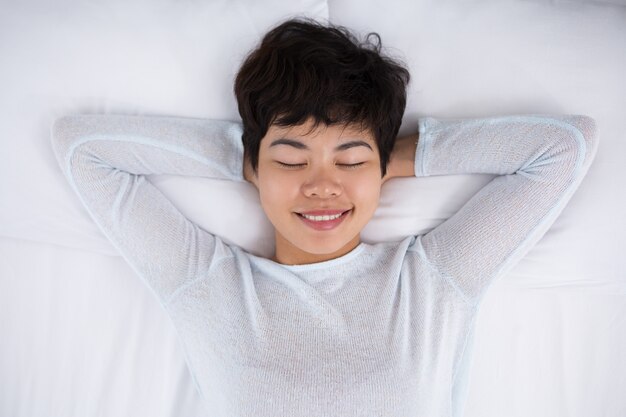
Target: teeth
{"x": 322, "y": 218}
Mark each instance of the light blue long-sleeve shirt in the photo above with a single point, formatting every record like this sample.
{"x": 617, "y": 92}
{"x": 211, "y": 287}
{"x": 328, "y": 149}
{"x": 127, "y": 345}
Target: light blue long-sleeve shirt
{"x": 385, "y": 330}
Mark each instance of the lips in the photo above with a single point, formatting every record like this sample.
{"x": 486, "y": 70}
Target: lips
{"x": 326, "y": 212}
{"x": 325, "y": 225}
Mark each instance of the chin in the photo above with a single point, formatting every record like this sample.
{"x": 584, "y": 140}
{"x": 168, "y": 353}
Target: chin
{"x": 325, "y": 248}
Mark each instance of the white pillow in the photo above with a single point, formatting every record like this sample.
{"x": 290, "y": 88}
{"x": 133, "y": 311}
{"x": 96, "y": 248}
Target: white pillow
{"x": 164, "y": 57}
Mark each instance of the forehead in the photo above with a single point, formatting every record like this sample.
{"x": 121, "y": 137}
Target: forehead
{"x": 309, "y": 130}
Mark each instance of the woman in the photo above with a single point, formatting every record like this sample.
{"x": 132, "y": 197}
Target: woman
{"x": 330, "y": 326}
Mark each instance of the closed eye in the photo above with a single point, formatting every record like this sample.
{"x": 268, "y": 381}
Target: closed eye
{"x": 351, "y": 165}
{"x": 301, "y": 165}
{"x": 290, "y": 165}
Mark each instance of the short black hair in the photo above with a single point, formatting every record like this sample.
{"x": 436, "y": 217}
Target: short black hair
{"x": 303, "y": 68}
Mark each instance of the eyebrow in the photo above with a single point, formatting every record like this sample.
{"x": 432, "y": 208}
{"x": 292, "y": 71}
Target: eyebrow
{"x": 300, "y": 145}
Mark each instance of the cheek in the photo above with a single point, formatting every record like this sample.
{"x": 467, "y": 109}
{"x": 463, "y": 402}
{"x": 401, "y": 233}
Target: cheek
{"x": 366, "y": 188}
{"x": 276, "y": 191}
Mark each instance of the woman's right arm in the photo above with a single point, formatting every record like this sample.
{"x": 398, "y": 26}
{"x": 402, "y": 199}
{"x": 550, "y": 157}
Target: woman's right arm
{"x": 106, "y": 158}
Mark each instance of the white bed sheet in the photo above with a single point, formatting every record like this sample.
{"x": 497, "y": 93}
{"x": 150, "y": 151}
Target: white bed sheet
{"x": 80, "y": 334}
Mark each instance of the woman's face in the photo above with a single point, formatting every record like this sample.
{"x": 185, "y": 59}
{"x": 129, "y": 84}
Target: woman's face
{"x": 320, "y": 179}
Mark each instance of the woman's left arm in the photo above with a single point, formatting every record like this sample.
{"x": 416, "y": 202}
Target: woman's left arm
{"x": 540, "y": 161}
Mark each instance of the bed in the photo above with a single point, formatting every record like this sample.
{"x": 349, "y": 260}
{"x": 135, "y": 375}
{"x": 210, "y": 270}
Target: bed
{"x": 81, "y": 335}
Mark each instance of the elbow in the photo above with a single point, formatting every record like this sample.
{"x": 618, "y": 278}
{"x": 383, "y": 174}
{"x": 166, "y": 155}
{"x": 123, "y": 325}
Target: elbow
{"x": 63, "y": 133}
{"x": 587, "y": 130}
{"x": 59, "y": 131}
{"x": 573, "y": 150}
{"x": 67, "y": 129}
{"x": 57, "y": 138}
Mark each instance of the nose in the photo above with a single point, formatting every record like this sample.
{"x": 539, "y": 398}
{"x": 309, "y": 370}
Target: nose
{"x": 322, "y": 185}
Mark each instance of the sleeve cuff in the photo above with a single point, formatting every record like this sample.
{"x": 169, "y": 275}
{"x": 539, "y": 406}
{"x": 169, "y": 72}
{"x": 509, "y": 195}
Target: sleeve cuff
{"x": 422, "y": 147}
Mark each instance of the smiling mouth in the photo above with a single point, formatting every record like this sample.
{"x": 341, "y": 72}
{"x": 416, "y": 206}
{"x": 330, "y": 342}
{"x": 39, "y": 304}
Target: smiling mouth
{"x": 324, "y": 225}
{"x": 319, "y": 215}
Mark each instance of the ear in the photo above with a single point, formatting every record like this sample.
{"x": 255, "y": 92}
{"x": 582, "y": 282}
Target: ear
{"x": 248, "y": 173}
{"x": 387, "y": 177}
